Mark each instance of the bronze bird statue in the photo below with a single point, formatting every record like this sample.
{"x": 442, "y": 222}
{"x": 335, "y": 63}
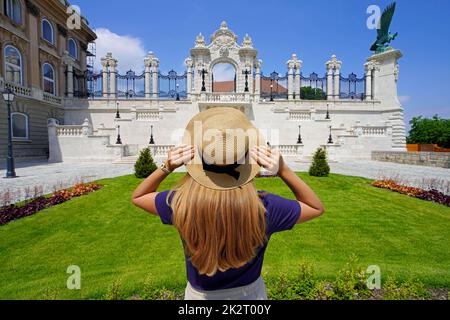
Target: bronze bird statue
{"x": 384, "y": 37}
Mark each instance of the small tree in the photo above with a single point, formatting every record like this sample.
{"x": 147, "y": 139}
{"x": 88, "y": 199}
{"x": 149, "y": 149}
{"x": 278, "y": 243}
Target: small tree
{"x": 145, "y": 165}
{"x": 320, "y": 167}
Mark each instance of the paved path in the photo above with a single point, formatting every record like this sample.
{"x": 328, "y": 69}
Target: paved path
{"x": 63, "y": 175}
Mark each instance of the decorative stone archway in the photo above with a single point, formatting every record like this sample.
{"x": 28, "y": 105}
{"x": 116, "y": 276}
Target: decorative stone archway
{"x": 223, "y": 49}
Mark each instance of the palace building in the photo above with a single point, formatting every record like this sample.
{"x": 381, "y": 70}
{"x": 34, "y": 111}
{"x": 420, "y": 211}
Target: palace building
{"x": 116, "y": 115}
{"x": 39, "y": 59}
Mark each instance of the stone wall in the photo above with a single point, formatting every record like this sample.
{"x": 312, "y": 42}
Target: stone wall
{"x": 430, "y": 159}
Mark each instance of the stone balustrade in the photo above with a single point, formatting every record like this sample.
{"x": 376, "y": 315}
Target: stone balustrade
{"x": 293, "y": 150}
{"x": 300, "y": 116}
{"x": 160, "y": 150}
{"x": 69, "y": 131}
{"x": 374, "y": 131}
{"x": 224, "y": 97}
{"x": 148, "y": 116}
{"x": 51, "y": 98}
{"x": 18, "y": 89}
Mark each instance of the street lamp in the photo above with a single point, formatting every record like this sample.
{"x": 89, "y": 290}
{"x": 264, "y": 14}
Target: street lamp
{"x": 117, "y": 111}
{"x": 328, "y": 112}
{"x": 271, "y": 92}
{"x": 119, "y": 140}
{"x": 9, "y": 96}
{"x": 299, "y": 141}
{"x": 152, "y": 141}
{"x": 330, "y": 138}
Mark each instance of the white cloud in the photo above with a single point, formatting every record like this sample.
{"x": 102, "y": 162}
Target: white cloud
{"x": 224, "y": 72}
{"x": 404, "y": 99}
{"x": 128, "y": 50}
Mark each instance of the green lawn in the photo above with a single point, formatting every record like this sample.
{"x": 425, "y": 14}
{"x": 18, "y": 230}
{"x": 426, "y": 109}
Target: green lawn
{"x": 109, "y": 239}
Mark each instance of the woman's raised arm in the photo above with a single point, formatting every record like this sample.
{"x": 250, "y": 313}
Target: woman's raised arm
{"x": 310, "y": 203}
{"x": 145, "y": 194}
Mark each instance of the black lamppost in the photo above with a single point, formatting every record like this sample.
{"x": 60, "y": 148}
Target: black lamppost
{"x": 119, "y": 140}
{"x": 328, "y": 112}
{"x": 152, "y": 141}
{"x": 203, "y": 72}
{"x": 271, "y": 92}
{"x": 299, "y": 141}
{"x": 246, "y": 73}
{"x": 178, "y": 94}
{"x": 330, "y": 139}
{"x": 117, "y": 111}
{"x": 9, "y": 96}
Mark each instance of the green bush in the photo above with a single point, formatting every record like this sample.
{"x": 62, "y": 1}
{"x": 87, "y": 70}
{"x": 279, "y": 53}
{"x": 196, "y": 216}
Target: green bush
{"x": 430, "y": 131}
{"x": 409, "y": 290}
{"x": 152, "y": 291}
{"x": 301, "y": 285}
{"x": 350, "y": 283}
{"x": 145, "y": 165}
{"x": 115, "y": 291}
{"x": 319, "y": 167}
{"x": 309, "y": 93}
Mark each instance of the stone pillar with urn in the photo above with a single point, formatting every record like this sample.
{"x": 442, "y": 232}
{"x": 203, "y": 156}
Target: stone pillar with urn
{"x": 148, "y": 61}
{"x": 258, "y": 79}
{"x": 190, "y": 69}
{"x": 333, "y": 78}
{"x": 155, "y": 77}
{"x": 105, "y": 75}
{"x": 291, "y": 66}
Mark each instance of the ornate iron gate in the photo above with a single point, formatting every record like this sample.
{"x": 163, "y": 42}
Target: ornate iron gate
{"x": 172, "y": 85}
{"x": 352, "y": 87}
{"x": 131, "y": 85}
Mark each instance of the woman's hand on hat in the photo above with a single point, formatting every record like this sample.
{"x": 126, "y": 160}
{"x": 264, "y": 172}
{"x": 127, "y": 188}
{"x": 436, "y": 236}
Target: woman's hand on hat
{"x": 179, "y": 157}
{"x": 267, "y": 158}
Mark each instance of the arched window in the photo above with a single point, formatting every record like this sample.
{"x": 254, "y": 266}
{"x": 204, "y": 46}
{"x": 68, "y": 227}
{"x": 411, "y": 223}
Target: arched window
{"x": 13, "y": 65}
{"x": 47, "y": 31}
{"x": 49, "y": 78}
{"x": 224, "y": 78}
{"x": 13, "y": 10}
{"x": 19, "y": 126}
{"x": 73, "y": 49}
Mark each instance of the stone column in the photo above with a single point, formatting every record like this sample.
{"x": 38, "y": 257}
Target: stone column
{"x": 258, "y": 79}
{"x": 105, "y": 72}
{"x": 385, "y": 73}
{"x": 113, "y": 77}
{"x": 189, "y": 72}
{"x": 329, "y": 83}
{"x": 337, "y": 83}
{"x": 291, "y": 66}
{"x": 69, "y": 80}
{"x": 333, "y": 78}
{"x": 368, "y": 67}
{"x": 148, "y": 74}
{"x": 298, "y": 79}
{"x": 155, "y": 76}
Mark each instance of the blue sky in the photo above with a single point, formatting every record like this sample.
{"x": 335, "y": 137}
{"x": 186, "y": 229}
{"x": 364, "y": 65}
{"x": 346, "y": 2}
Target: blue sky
{"x": 313, "y": 29}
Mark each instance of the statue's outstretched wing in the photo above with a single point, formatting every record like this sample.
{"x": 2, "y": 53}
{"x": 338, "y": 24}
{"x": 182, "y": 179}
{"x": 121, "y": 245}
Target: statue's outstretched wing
{"x": 386, "y": 19}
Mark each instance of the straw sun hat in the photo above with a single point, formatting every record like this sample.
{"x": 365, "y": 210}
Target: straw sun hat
{"x": 222, "y": 139}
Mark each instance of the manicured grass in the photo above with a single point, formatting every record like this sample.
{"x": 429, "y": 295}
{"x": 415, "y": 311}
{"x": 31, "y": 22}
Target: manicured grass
{"x": 109, "y": 239}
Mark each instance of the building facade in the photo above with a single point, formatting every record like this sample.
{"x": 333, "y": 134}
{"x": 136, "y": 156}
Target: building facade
{"x": 39, "y": 57}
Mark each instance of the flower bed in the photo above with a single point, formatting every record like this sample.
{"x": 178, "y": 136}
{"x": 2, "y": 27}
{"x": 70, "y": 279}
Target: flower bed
{"x": 14, "y": 212}
{"x": 430, "y": 195}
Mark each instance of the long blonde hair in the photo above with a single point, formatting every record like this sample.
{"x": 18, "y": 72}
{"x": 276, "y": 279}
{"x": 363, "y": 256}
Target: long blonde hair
{"x": 221, "y": 230}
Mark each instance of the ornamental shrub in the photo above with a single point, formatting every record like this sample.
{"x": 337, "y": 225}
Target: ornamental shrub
{"x": 319, "y": 167}
{"x": 145, "y": 165}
